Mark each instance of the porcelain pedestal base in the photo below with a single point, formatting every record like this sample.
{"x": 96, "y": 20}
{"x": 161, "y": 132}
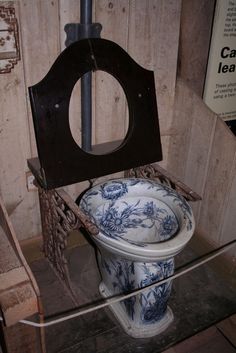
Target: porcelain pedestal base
{"x": 131, "y": 327}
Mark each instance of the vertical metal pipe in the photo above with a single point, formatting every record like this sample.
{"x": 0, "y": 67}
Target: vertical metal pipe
{"x": 86, "y": 11}
{"x": 86, "y": 84}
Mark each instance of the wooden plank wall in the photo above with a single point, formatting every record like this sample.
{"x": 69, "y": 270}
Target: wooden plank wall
{"x": 196, "y": 24}
{"x": 202, "y": 151}
{"x": 147, "y": 29}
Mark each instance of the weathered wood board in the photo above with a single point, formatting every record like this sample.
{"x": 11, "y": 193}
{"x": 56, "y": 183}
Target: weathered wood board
{"x": 18, "y": 298}
{"x": 21, "y": 338}
{"x": 19, "y": 294}
{"x": 153, "y": 43}
{"x": 195, "y": 35}
{"x": 202, "y": 154}
{"x": 228, "y": 228}
{"x": 15, "y": 147}
{"x": 193, "y": 131}
{"x": 39, "y": 25}
{"x": 218, "y": 183}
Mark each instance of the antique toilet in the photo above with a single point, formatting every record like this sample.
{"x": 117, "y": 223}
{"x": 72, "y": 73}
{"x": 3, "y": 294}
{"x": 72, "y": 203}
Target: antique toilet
{"x": 141, "y": 224}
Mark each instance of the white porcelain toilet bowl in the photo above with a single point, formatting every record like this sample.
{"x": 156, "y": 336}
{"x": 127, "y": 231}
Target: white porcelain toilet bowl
{"x": 142, "y": 226}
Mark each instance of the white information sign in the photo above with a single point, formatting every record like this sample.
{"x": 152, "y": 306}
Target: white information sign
{"x": 220, "y": 84}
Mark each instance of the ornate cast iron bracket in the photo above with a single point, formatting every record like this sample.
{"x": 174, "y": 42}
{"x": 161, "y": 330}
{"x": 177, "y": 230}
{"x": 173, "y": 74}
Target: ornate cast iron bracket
{"x": 60, "y": 215}
{"x": 155, "y": 172}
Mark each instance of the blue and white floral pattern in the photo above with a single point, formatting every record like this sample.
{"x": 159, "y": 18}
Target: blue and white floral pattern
{"x": 123, "y": 276}
{"x": 118, "y": 218}
{"x": 117, "y": 213}
{"x": 113, "y": 191}
{"x": 153, "y": 302}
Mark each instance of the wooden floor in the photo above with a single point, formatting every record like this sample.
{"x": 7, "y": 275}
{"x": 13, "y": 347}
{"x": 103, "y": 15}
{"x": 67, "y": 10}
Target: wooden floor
{"x": 220, "y": 338}
{"x": 200, "y": 301}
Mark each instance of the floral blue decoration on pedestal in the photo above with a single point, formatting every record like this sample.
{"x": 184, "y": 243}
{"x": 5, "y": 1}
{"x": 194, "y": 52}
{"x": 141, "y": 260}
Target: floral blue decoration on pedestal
{"x": 154, "y": 301}
{"x": 125, "y": 276}
{"x": 122, "y": 277}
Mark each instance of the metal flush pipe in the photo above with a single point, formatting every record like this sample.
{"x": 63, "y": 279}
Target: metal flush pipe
{"x": 86, "y": 83}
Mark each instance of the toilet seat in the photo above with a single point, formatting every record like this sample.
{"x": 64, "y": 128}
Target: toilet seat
{"x": 61, "y": 161}
{"x": 149, "y": 252}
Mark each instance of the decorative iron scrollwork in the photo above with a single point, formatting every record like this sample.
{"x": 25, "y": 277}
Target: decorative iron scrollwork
{"x": 154, "y": 171}
{"x": 60, "y": 215}
{"x": 58, "y": 220}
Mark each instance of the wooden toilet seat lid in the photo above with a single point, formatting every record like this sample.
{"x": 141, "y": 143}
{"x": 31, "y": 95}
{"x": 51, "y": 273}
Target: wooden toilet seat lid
{"x": 61, "y": 161}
